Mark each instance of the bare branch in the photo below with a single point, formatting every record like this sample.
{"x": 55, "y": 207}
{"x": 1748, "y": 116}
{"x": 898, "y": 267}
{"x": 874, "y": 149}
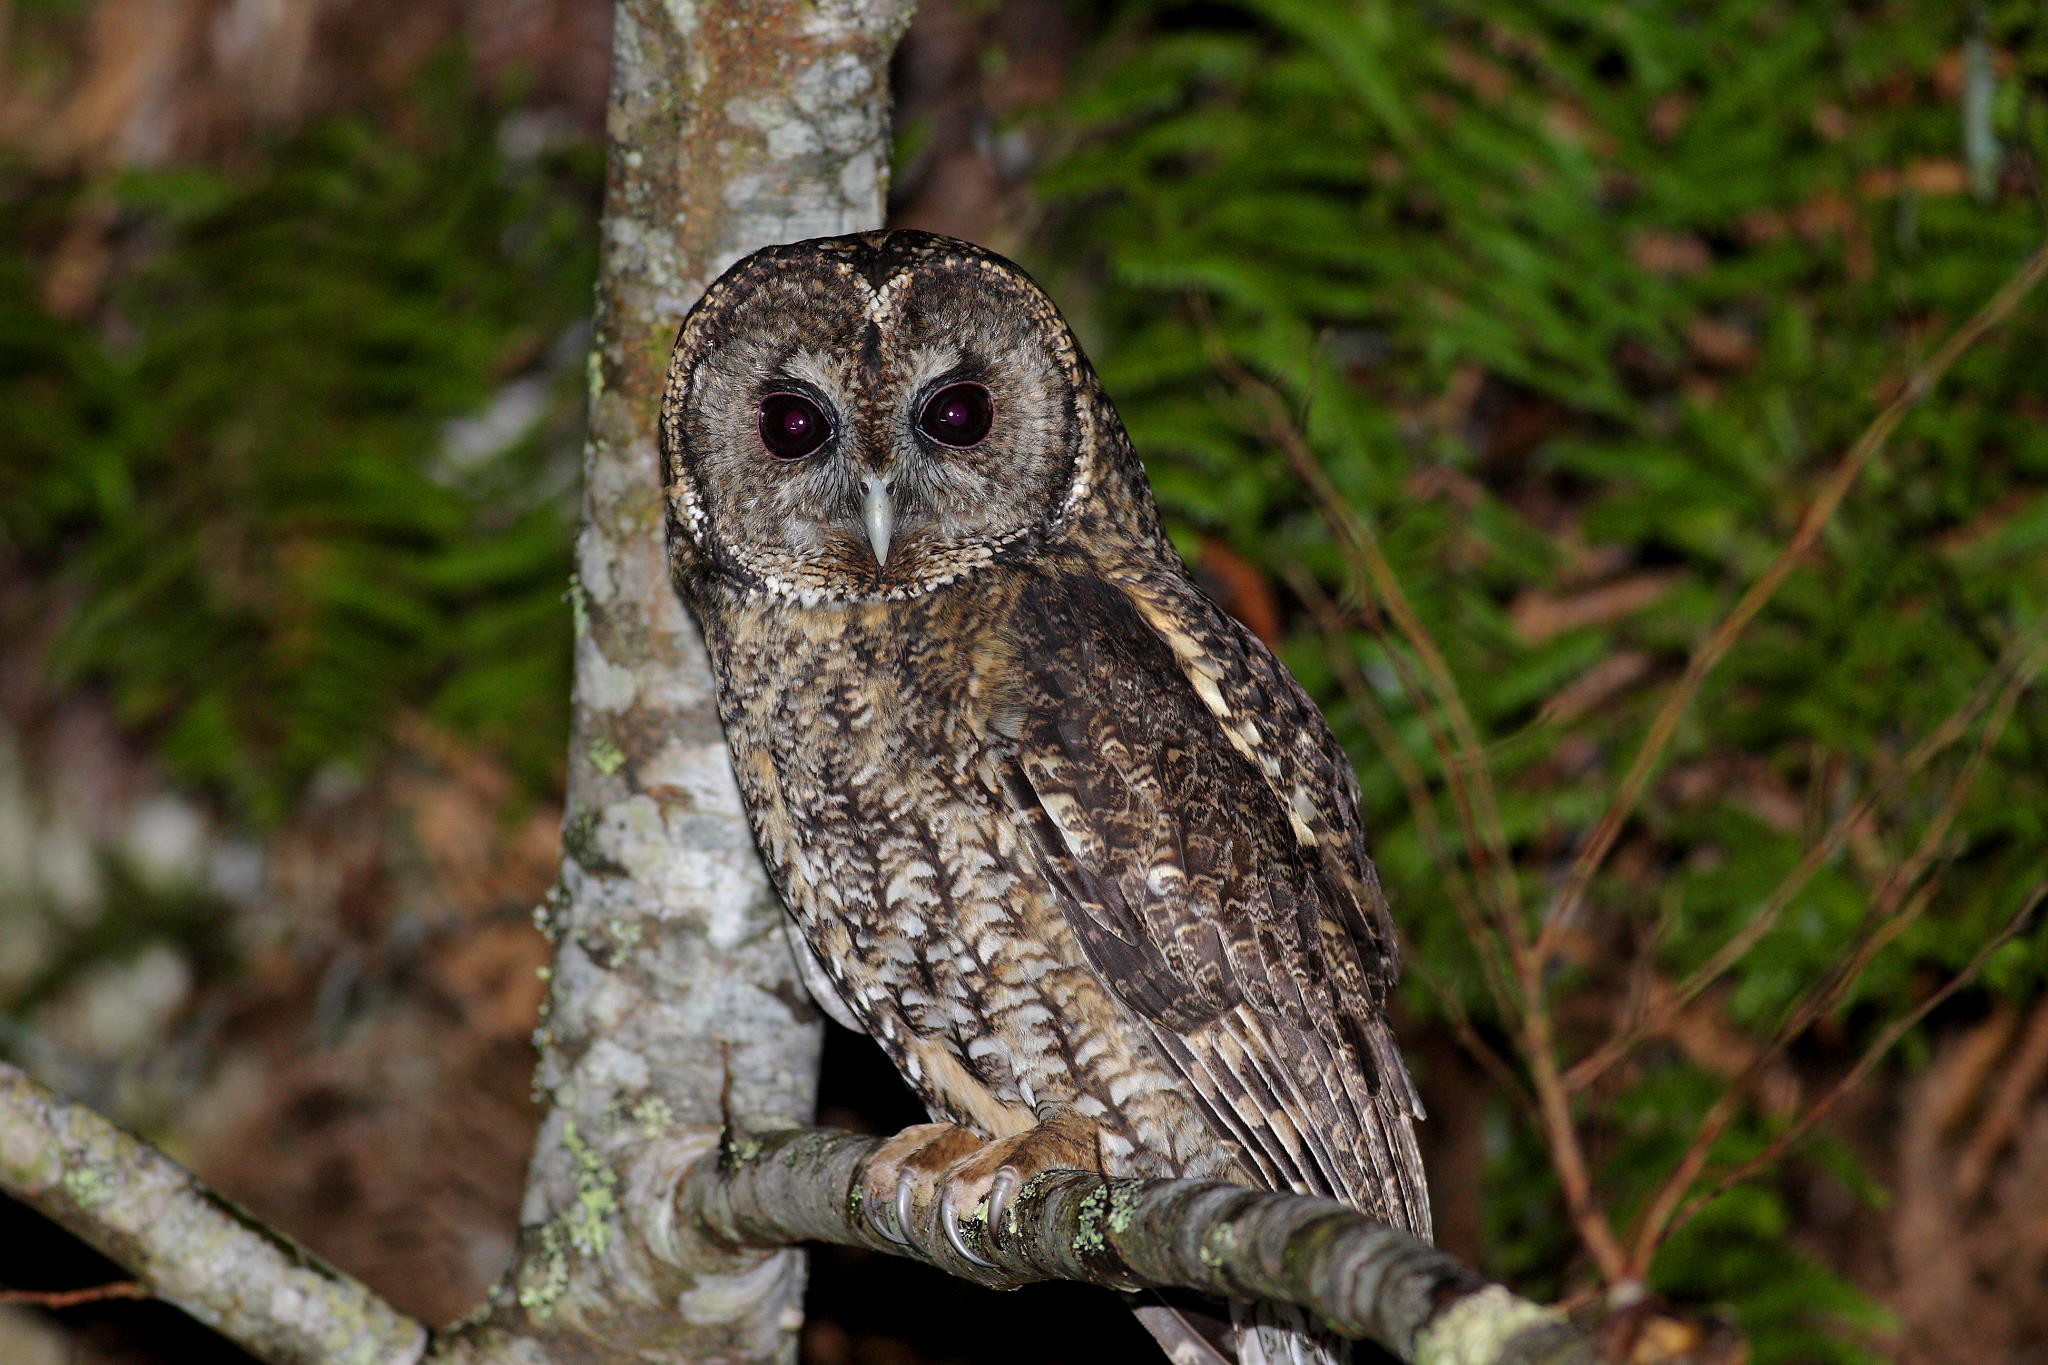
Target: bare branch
{"x": 185, "y": 1242}
{"x": 1898, "y": 1029}
{"x": 2003, "y": 683}
{"x": 1362, "y": 1278}
{"x": 71, "y": 1298}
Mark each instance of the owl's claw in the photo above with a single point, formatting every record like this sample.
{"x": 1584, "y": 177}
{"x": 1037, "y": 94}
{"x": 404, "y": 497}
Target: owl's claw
{"x": 1000, "y": 1192}
{"x": 949, "y": 1223}
{"x": 872, "y": 1211}
{"x": 906, "y": 1187}
{"x": 963, "y": 1172}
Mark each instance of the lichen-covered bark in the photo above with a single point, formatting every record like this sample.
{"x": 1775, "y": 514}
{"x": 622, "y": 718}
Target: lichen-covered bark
{"x": 185, "y": 1242}
{"x": 1362, "y": 1278}
{"x": 718, "y": 1218}
{"x": 730, "y": 127}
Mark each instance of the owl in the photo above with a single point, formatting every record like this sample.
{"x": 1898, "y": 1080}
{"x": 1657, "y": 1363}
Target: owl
{"x": 1056, "y": 831}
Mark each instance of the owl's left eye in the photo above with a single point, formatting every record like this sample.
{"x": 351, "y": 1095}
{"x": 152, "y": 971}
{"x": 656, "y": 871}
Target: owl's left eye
{"x": 792, "y": 426}
{"x": 958, "y": 415}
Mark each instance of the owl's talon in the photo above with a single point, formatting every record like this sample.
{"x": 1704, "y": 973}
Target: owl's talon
{"x": 906, "y": 1186}
{"x": 949, "y": 1223}
{"x": 1000, "y": 1192}
{"x": 872, "y": 1212}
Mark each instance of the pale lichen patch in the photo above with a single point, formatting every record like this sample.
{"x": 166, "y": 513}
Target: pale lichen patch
{"x": 653, "y": 1116}
{"x": 544, "y": 1274}
{"x": 1089, "y": 1220}
{"x": 1473, "y": 1330}
{"x": 589, "y": 1224}
{"x": 88, "y": 1186}
{"x": 606, "y": 756}
{"x": 1124, "y": 1199}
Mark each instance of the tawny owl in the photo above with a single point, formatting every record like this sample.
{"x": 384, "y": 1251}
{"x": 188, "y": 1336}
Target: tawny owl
{"x": 1059, "y": 833}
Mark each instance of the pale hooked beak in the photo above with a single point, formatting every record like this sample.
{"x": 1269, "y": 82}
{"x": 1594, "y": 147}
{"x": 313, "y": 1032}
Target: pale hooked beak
{"x": 878, "y": 514}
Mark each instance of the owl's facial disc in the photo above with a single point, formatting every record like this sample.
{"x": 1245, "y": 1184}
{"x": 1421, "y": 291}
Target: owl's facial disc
{"x": 849, "y": 419}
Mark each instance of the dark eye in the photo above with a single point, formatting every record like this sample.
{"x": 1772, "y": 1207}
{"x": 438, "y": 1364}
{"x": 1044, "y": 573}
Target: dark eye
{"x": 792, "y": 426}
{"x": 958, "y": 415}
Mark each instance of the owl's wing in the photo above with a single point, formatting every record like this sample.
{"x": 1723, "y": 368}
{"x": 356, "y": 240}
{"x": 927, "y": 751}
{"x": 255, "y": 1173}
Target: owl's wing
{"x": 1200, "y": 821}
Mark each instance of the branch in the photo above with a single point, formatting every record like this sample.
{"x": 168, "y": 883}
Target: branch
{"x": 1898, "y": 1029}
{"x": 1362, "y": 1278}
{"x": 185, "y": 1242}
{"x": 189, "y": 1246}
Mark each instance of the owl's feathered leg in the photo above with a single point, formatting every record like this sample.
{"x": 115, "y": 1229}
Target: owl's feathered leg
{"x": 969, "y": 1171}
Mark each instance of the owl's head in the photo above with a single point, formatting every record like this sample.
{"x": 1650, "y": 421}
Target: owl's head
{"x": 873, "y": 416}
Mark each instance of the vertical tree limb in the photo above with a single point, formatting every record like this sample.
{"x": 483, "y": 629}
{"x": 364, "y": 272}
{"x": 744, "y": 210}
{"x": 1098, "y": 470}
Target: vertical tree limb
{"x": 730, "y": 127}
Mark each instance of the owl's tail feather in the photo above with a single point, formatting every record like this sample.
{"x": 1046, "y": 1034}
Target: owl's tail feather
{"x": 1269, "y": 1334}
{"x": 1188, "y": 1337}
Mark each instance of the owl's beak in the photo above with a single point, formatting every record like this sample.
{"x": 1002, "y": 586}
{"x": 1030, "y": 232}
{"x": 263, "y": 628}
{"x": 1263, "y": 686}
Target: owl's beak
{"x": 878, "y": 514}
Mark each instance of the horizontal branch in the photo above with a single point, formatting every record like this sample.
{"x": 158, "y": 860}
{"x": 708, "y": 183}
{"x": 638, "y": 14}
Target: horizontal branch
{"x": 186, "y": 1243}
{"x": 1362, "y": 1278}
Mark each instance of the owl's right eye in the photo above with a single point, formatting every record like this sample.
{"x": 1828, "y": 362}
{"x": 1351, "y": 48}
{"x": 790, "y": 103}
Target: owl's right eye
{"x": 792, "y": 426}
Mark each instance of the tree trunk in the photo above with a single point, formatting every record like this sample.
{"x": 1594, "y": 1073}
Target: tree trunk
{"x": 730, "y": 127}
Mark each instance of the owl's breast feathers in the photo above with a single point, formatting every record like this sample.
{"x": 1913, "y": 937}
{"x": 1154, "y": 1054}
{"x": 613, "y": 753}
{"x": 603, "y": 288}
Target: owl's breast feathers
{"x": 1167, "y": 797}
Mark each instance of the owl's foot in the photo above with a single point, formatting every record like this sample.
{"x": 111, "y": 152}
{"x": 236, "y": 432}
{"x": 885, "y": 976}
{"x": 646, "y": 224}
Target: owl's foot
{"x": 969, "y": 1173}
{"x": 890, "y": 1179}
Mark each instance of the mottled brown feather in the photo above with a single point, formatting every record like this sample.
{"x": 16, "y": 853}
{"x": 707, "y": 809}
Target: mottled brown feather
{"x": 1119, "y": 771}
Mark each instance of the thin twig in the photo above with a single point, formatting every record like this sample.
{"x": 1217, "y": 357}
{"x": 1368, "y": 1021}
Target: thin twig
{"x": 1657, "y": 1210}
{"x": 71, "y": 1298}
{"x": 1464, "y": 761}
{"x": 1473, "y": 794}
{"x": 2023, "y": 1069}
{"x": 2003, "y": 683}
{"x": 1467, "y": 1035}
{"x": 1815, "y": 519}
{"x": 1451, "y": 874}
{"x": 1778, "y": 1146}
{"x": 1561, "y": 1133}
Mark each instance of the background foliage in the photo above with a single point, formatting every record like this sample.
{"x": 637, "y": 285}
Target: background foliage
{"x": 1574, "y": 306}
{"x": 316, "y": 464}
{"x": 1577, "y": 305}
